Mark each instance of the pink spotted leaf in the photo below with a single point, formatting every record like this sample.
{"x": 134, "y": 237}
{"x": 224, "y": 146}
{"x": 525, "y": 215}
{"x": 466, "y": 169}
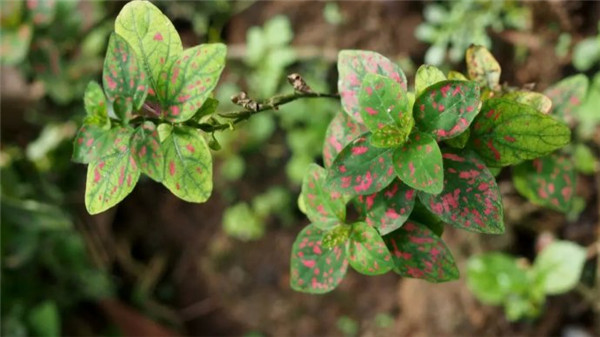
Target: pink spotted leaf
{"x": 324, "y": 208}
{"x": 470, "y": 199}
{"x": 385, "y": 108}
{"x": 388, "y": 209}
{"x": 548, "y": 181}
{"x": 187, "y": 164}
{"x": 341, "y": 130}
{"x": 419, "y": 253}
{"x": 42, "y": 12}
{"x": 93, "y": 142}
{"x": 367, "y": 252}
{"x": 95, "y": 105}
{"x": 124, "y": 75}
{"x": 146, "y": 149}
{"x": 111, "y": 177}
{"x": 353, "y": 66}
{"x": 361, "y": 168}
{"x": 567, "y": 95}
{"x": 315, "y": 267}
{"x": 418, "y": 163}
{"x": 447, "y": 108}
{"x": 507, "y": 132}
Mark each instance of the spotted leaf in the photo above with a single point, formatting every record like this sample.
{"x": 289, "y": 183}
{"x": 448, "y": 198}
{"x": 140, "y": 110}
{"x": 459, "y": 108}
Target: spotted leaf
{"x": 540, "y": 102}
{"x": 361, "y": 168}
{"x": 447, "y": 108}
{"x": 146, "y": 149}
{"x": 384, "y": 105}
{"x": 353, "y": 66}
{"x": 183, "y": 88}
{"x": 324, "y": 208}
{"x": 367, "y": 253}
{"x": 482, "y": 67}
{"x": 42, "y": 11}
{"x": 112, "y": 177}
{"x": 14, "y": 43}
{"x": 152, "y": 37}
{"x": 315, "y": 268}
{"x": 567, "y": 95}
{"x": 418, "y": 163}
{"x": 470, "y": 198}
{"x": 389, "y": 208}
{"x": 506, "y": 132}
{"x": 419, "y": 253}
{"x": 95, "y": 105}
{"x": 427, "y": 75}
{"x": 548, "y": 181}
{"x": 123, "y": 75}
{"x": 341, "y": 131}
{"x": 188, "y": 165}
{"x": 93, "y": 142}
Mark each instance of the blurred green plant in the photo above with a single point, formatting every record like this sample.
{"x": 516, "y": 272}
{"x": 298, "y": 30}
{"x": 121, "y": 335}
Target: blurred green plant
{"x": 59, "y": 43}
{"x": 586, "y": 53}
{"x": 501, "y": 279}
{"x": 451, "y": 26}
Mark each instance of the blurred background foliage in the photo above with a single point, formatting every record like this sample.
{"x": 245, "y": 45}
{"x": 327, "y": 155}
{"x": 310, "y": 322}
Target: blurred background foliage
{"x": 58, "y": 272}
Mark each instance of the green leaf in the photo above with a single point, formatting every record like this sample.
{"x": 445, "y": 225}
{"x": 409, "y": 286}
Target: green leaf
{"x": 188, "y": 165}
{"x": 183, "y": 88}
{"x": 567, "y": 95}
{"x": 152, "y": 37}
{"x": 95, "y": 105}
{"x": 470, "y": 199}
{"x": 146, "y": 149}
{"x": 208, "y": 108}
{"x": 540, "y": 102}
{"x": 493, "y": 277}
{"x": 383, "y": 105}
{"x": 341, "y": 131}
{"x": 367, "y": 252}
{"x": 389, "y": 208}
{"x": 507, "y": 132}
{"x": 93, "y": 142}
{"x": 586, "y": 53}
{"x": 560, "y": 264}
{"x": 353, "y": 66}
{"x": 584, "y": 159}
{"x": 324, "y": 208}
{"x": 315, "y": 268}
{"x": 15, "y": 43}
{"x": 123, "y": 75}
{"x": 482, "y": 67}
{"x": 164, "y": 131}
{"x": 455, "y": 75}
{"x": 390, "y": 136}
{"x": 447, "y": 108}
{"x": 44, "y": 320}
{"x": 242, "y": 223}
{"x": 111, "y": 177}
{"x": 419, "y": 253}
{"x": 418, "y": 163}
{"x": 42, "y": 11}
{"x": 547, "y": 181}
{"x": 460, "y": 141}
{"x": 361, "y": 168}
{"x": 427, "y": 75}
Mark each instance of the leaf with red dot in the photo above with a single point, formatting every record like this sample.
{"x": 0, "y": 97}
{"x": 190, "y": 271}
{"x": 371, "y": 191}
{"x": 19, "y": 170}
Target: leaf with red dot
{"x": 93, "y": 142}
{"x": 314, "y": 267}
{"x": 388, "y": 209}
{"x": 147, "y": 151}
{"x": 447, "y": 108}
{"x": 567, "y": 95}
{"x": 470, "y": 198}
{"x": 124, "y": 75}
{"x": 367, "y": 252}
{"x": 353, "y": 66}
{"x": 482, "y": 67}
{"x": 183, "y": 88}
{"x": 507, "y": 132}
{"x": 324, "y": 208}
{"x": 361, "y": 168}
{"x": 112, "y": 177}
{"x": 548, "y": 181}
{"x": 42, "y": 12}
{"x": 419, "y": 253}
{"x": 151, "y": 35}
{"x": 187, "y": 164}
{"x": 418, "y": 163}
{"x": 341, "y": 130}
{"x": 95, "y": 105}
{"x": 384, "y": 105}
